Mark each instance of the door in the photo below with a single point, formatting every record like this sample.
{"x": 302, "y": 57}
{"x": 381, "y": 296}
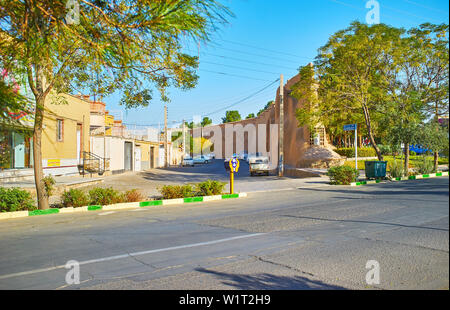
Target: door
{"x": 137, "y": 158}
{"x": 19, "y": 150}
{"x": 128, "y": 164}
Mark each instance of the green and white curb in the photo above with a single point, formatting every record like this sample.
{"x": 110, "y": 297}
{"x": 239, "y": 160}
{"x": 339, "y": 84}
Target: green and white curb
{"x": 411, "y": 177}
{"x": 120, "y": 206}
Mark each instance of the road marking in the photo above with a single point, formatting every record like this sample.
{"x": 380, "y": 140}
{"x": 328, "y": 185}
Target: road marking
{"x": 106, "y": 213}
{"x": 116, "y": 257}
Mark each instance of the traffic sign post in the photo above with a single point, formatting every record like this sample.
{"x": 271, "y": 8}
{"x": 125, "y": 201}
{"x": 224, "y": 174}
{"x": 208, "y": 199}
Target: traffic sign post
{"x": 234, "y": 167}
{"x": 354, "y": 127}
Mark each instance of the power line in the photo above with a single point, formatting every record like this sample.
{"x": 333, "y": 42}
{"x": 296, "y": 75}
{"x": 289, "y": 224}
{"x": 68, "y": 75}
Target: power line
{"x": 242, "y": 100}
{"x": 241, "y": 68}
{"x": 426, "y": 7}
{"x": 235, "y": 75}
{"x": 259, "y": 55}
{"x": 264, "y": 49}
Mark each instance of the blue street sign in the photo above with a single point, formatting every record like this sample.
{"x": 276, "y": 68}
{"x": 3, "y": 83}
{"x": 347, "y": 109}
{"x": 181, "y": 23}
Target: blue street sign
{"x": 350, "y": 127}
{"x": 234, "y": 162}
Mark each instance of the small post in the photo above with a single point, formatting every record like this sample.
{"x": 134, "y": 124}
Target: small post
{"x": 231, "y": 182}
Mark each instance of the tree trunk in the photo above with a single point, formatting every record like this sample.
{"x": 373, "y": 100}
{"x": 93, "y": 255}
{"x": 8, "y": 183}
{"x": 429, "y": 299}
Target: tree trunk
{"x": 37, "y": 156}
{"x": 370, "y": 133}
{"x": 406, "y": 167}
{"x": 436, "y": 161}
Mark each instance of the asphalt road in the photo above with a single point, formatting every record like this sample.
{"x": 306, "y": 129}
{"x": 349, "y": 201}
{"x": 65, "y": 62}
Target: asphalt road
{"x": 304, "y": 238}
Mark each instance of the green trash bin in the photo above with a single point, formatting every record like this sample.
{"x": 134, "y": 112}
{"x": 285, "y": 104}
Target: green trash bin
{"x": 375, "y": 169}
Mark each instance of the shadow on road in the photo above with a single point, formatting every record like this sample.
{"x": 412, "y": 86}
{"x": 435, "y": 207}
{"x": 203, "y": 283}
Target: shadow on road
{"x": 265, "y": 281}
{"x": 365, "y": 222}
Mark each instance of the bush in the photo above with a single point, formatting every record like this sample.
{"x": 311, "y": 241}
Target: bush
{"x": 15, "y": 199}
{"x": 210, "y": 188}
{"x": 74, "y": 198}
{"x": 177, "y": 191}
{"x": 385, "y": 149}
{"x": 133, "y": 196}
{"x": 362, "y": 152}
{"x": 425, "y": 167}
{"x": 412, "y": 153}
{"x": 49, "y": 182}
{"x": 105, "y": 196}
{"x": 342, "y": 175}
{"x": 396, "y": 169}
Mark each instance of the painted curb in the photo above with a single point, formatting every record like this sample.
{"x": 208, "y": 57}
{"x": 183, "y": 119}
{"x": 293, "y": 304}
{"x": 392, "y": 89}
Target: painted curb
{"x": 120, "y": 206}
{"x": 412, "y": 177}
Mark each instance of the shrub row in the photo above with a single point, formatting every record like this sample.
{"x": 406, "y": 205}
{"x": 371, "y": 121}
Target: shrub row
{"x": 362, "y": 152}
{"x": 15, "y": 199}
{"x": 342, "y": 175}
{"x": 206, "y": 188}
{"x": 98, "y": 196}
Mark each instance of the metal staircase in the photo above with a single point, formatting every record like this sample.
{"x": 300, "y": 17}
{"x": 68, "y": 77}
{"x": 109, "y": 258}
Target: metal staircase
{"x": 93, "y": 163}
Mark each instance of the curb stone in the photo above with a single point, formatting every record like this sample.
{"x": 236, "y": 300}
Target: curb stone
{"x": 120, "y": 206}
{"x": 411, "y": 177}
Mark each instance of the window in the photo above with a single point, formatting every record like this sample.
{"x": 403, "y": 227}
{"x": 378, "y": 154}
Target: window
{"x": 59, "y": 130}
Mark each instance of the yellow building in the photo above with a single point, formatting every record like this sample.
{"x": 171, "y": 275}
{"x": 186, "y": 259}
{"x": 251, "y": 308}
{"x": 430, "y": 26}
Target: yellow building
{"x": 65, "y": 135}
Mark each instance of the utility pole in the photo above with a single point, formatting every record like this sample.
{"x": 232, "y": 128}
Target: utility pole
{"x": 281, "y": 130}
{"x": 166, "y": 150}
{"x": 184, "y": 140}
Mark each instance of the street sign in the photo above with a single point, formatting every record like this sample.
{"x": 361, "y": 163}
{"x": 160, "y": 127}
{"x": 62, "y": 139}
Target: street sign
{"x": 350, "y": 127}
{"x": 354, "y": 127}
{"x": 234, "y": 165}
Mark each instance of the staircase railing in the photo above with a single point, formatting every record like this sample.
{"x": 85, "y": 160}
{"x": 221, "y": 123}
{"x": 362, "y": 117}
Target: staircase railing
{"x": 93, "y": 163}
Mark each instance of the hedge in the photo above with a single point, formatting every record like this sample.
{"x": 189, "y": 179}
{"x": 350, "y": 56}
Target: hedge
{"x": 362, "y": 152}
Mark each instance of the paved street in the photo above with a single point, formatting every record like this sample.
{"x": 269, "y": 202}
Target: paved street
{"x": 317, "y": 237}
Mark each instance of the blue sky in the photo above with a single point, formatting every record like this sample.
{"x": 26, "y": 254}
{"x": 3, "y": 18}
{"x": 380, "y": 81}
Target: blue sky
{"x": 267, "y": 38}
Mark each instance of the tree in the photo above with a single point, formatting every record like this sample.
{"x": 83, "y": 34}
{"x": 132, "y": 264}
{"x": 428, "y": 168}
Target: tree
{"x": 351, "y": 73}
{"x": 206, "y": 121}
{"x": 108, "y": 46}
{"x": 268, "y": 104}
{"x": 433, "y": 69}
{"x": 231, "y": 116}
{"x": 251, "y": 115}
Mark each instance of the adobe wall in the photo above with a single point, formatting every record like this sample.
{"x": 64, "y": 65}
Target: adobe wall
{"x": 296, "y": 139}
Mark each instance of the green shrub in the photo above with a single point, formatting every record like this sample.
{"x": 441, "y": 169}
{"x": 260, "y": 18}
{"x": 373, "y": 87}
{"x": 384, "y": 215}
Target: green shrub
{"x": 210, "y": 188}
{"x": 362, "y": 152}
{"x": 15, "y": 199}
{"x": 412, "y": 153}
{"x": 385, "y": 149}
{"x": 176, "y": 191}
{"x": 74, "y": 198}
{"x": 49, "y": 183}
{"x": 105, "y": 196}
{"x": 342, "y": 175}
{"x": 396, "y": 169}
{"x": 425, "y": 167}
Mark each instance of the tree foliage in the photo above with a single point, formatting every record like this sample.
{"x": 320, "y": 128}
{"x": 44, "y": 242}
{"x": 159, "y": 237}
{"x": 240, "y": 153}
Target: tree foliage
{"x": 231, "y": 116}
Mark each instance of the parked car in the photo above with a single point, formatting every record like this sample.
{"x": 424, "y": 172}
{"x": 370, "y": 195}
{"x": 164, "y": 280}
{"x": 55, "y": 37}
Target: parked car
{"x": 188, "y": 161}
{"x": 212, "y": 155}
{"x": 418, "y": 149}
{"x": 259, "y": 165}
{"x": 201, "y": 159}
{"x": 252, "y": 156}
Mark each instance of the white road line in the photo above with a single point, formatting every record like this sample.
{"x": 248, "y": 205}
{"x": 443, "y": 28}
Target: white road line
{"x": 110, "y": 258}
{"x": 106, "y": 213}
